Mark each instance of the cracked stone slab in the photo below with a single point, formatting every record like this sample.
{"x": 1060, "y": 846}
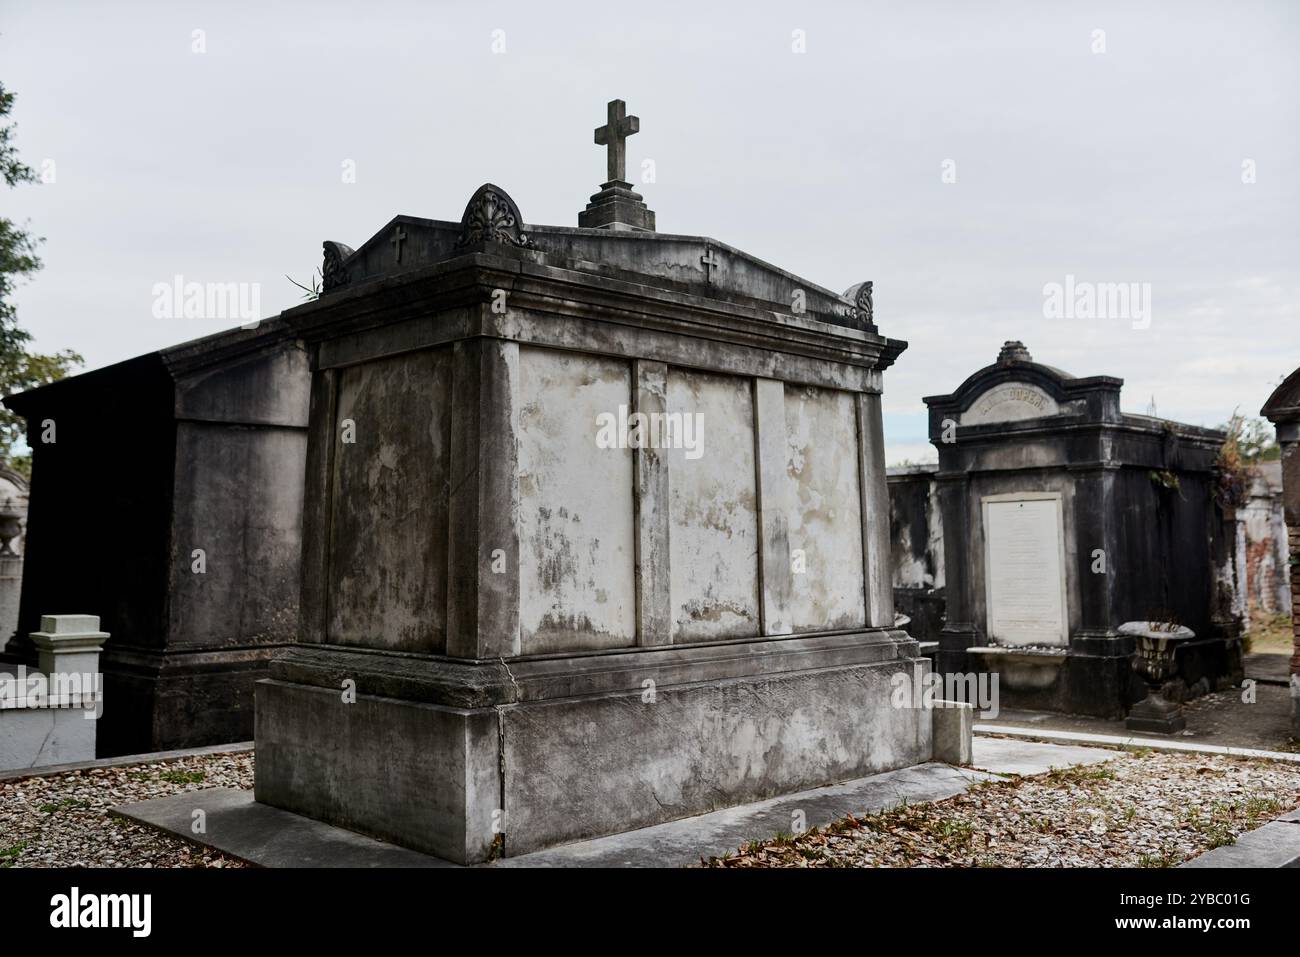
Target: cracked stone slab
{"x": 1013, "y": 756}
{"x": 678, "y": 843}
{"x": 267, "y": 836}
{"x": 1276, "y": 844}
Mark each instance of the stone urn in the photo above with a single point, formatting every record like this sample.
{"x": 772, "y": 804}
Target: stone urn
{"x": 1157, "y": 644}
{"x": 11, "y": 526}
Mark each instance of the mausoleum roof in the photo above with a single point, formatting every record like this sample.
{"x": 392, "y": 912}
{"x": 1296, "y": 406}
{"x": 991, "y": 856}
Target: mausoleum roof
{"x": 1284, "y": 404}
{"x": 696, "y": 265}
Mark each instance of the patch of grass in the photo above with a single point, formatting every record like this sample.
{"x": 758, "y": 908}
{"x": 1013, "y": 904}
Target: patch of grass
{"x": 1258, "y": 807}
{"x": 9, "y": 855}
{"x": 1163, "y": 859}
{"x": 181, "y": 777}
{"x": 950, "y": 830}
{"x": 65, "y": 803}
{"x": 1079, "y": 775}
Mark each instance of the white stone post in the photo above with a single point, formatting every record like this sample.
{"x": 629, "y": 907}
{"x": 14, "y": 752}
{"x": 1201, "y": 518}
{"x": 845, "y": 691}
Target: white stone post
{"x": 57, "y": 727}
{"x": 69, "y": 644}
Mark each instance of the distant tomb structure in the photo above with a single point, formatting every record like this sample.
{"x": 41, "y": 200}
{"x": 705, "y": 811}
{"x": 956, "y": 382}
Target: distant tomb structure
{"x": 1267, "y": 549}
{"x": 1062, "y": 518}
{"x": 1283, "y": 410}
{"x": 916, "y": 530}
{"x": 14, "y": 491}
{"x": 166, "y": 499}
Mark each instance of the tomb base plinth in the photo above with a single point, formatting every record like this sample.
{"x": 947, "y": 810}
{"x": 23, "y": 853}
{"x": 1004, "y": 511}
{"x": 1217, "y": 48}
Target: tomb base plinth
{"x": 471, "y": 759}
{"x": 1155, "y": 715}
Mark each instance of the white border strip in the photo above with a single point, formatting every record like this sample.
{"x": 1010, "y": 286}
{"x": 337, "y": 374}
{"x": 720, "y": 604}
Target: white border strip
{"x": 1155, "y": 744}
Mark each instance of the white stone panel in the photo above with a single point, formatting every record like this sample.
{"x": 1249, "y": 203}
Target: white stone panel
{"x": 713, "y": 531}
{"x": 576, "y": 543}
{"x": 826, "y": 510}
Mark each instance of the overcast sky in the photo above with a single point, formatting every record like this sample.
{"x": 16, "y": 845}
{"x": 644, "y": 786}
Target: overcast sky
{"x": 1117, "y": 166}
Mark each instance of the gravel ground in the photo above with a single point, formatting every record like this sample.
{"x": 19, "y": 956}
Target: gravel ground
{"x": 63, "y": 821}
{"x": 1142, "y": 809}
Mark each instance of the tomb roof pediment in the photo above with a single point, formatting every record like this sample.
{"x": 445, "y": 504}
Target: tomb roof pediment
{"x": 1015, "y": 387}
{"x": 153, "y": 376}
{"x": 1283, "y": 406}
{"x": 692, "y": 265}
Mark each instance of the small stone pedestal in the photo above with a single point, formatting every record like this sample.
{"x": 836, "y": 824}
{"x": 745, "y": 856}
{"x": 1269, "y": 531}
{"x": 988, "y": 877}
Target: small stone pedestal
{"x": 1156, "y": 646}
{"x": 60, "y": 724}
{"x": 617, "y": 206}
{"x": 69, "y": 644}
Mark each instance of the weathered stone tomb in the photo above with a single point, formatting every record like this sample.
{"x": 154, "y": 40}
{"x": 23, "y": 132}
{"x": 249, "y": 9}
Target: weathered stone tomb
{"x": 1283, "y": 410}
{"x": 516, "y": 632}
{"x": 1064, "y": 518}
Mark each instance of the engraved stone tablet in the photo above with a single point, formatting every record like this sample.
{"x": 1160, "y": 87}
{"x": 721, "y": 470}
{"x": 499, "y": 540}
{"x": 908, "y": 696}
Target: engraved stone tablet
{"x": 1010, "y": 402}
{"x": 1023, "y": 569}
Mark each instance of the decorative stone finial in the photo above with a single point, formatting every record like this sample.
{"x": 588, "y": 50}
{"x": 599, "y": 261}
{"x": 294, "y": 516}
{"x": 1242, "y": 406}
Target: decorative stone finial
{"x": 492, "y": 217}
{"x": 864, "y": 302}
{"x": 864, "y": 310}
{"x": 617, "y": 206}
{"x": 1013, "y": 351}
{"x": 332, "y": 273}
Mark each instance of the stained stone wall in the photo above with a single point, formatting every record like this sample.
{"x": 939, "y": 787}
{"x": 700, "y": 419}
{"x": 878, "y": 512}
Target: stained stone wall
{"x": 1267, "y": 560}
{"x": 713, "y": 511}
{"x": 825, "y": 502}
{"x": 916, "y": 531}
{"x": 389, "y": 547}
{"x": 577, "y": 586}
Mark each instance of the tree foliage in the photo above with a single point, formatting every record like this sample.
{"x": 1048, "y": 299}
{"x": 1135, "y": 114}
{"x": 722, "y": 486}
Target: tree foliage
{"x": 20, "y": 368}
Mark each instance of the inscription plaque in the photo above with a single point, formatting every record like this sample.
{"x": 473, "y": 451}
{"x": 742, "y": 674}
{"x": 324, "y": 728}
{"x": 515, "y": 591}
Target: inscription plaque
{"x": 1026, "y": 600}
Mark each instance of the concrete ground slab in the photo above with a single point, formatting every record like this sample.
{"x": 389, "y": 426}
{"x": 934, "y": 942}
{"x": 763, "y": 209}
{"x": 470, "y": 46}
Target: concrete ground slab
{"x": 267, "y": 836}
{"x": 1256, "y": 717}
{"x": 1276, "y": 844}
{"x": 683, "y": 842}
{"x": 1013, "y": 756}
{"x": 1128, "y": 741}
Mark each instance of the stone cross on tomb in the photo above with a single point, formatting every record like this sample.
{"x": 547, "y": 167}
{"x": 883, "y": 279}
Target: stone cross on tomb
{"x": 618, "y": 127}
{"x": 398, "y": 238}
{"x": 710, "y": 263}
